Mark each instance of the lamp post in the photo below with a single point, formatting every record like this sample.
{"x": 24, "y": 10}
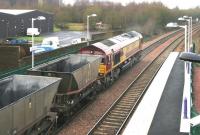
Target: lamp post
{"x": 32, "y": 26}
{"x": 189, "y": 19}
{"x": 175, "y": 25}
{"x": 88, "y": 25}
{"x": 188, "y": 30}
{"x": 7, "y": 27}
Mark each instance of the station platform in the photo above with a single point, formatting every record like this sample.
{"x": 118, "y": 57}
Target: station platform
{"x": 159, "y": 112}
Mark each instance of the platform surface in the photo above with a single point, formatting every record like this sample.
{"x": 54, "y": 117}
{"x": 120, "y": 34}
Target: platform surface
{"x": 159, "y": 112}
{"x": 168, "y": 114}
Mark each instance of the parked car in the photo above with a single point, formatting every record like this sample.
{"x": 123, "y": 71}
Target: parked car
{"x": 14, "y": 41}
{"x": 78, "y": 40}
{"x": 48, "y": 44}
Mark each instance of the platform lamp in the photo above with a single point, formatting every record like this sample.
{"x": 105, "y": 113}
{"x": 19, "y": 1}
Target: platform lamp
{"x": 189, "y": 30}
{"x": 88, "y": 21}
{"x": 190, "y": 18}
{"x": 175, "y": 25}
{"x": 32, "y": 33}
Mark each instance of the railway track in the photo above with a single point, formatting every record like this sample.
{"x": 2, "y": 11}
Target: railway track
{"x": 113, "y": 120}
{"x": 148, "y": 49}
{"x": 154, "y": 45}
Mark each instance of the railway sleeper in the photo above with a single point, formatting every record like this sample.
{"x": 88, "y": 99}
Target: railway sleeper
{"x": 113, "y": 120}
{"x": 124, "y": 109}
{"x": 136, "y": 92}
{"x": 129, "y": 98}
{"x": 137, "y": 87}
{"x": 104, "y": 126}
{"x": 117, "y": 114}
{"x": 142, "y": 83}
{"x": 109, "y": 130}
{"x": 116, "y": 117}
{"x": 128, "y": 105}
{"x": 121, "y": 109}
{"x": 100, "y": 133}
{"x": 111, "y": 123}
{"x": 117, "y": 111}
{"x": 105, "y": 130}
{"x": 127, "y": 102}
{"x": 122, "y": 106}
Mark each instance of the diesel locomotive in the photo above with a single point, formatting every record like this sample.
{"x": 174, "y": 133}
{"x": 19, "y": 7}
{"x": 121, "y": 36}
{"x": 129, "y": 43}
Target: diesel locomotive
{"x": 117, "y": 53}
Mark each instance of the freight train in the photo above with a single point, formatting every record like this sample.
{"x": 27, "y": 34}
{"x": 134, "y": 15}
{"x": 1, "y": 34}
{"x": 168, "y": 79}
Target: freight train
{"x": 82, "y": 75}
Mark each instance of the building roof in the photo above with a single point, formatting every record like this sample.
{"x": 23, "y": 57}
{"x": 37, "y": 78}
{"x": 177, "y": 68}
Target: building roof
{"x": 14, "y": 11}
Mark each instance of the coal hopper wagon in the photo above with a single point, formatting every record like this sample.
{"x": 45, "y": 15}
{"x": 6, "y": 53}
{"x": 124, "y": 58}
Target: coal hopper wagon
{"x": 79, "y": 73}
{"x": 25, "y": 102}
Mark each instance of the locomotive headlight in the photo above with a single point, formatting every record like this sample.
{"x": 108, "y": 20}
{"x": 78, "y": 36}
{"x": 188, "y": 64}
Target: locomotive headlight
{"x": 70, "y": 102}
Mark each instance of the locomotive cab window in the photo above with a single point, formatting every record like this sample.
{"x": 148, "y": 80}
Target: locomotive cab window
{"x": 103, "y": 60}
{"x": 116, "y": 58}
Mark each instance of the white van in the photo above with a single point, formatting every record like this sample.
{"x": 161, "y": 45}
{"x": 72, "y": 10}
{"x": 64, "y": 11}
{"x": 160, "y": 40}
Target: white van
{"x": 51, "y": 41}
{"x": 48, "y": 44}
{"x": 78, "y": 40}
{"x": 33, "y": 31}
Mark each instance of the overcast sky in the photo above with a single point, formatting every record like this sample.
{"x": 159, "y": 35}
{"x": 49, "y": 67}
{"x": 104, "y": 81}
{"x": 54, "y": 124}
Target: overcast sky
{"x": 182, "y": 4}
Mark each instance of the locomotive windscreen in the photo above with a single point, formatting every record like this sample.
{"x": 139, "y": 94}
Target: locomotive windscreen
{"x": 132, "y": 34}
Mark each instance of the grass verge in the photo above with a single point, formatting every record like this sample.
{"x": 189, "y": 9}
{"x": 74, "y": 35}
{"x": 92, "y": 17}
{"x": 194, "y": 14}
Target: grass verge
{"x": 37, "y": 39}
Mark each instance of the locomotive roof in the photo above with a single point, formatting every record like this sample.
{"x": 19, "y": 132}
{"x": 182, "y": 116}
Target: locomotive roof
{"x": 118, "y": 42}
